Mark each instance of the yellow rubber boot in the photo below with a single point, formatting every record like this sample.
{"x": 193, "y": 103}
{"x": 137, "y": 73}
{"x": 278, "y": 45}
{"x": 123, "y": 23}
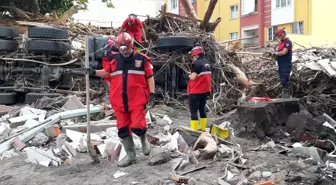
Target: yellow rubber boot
{"x": 194, "y": 124}
{"x": 203, "y": 124}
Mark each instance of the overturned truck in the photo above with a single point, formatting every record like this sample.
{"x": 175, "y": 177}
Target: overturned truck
{"x": 39, "y": 63}
{"x": 42, "y": 62}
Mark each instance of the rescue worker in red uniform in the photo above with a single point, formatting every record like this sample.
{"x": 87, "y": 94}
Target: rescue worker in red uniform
{"x": 199, "y": 87}
{"x": 133, "y": 26}
{"x": 131, "y": 89}
{"x": 284, "y": 60}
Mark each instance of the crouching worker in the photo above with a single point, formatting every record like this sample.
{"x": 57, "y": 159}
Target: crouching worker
{"x": 199, "y": 87}
{"x": 131, "y": 89}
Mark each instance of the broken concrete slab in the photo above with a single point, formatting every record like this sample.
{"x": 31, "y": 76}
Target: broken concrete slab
{"x": 262, "y": 118}
{"x": 25, "y": 111}
{"x": 39, "y": 156}
{"x": 19, "y": 121}
{"x": 73, "y": 103}
{"x": 28, "y": 134}
{"x": 94, "y": 128}
{"x": 5, "y": 131}
{"x": 69, "y": 149}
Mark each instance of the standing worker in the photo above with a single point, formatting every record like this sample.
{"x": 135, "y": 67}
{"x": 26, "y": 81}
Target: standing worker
{"x": 284, "y": 59}
{"x": 133, "y": 26}
{"x": 132, "y": 87}
{"x": 199, "y": 87}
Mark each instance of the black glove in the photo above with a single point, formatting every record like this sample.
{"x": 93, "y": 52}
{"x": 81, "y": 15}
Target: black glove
{"x": 91, "y": 71}
{"x": 186, "y": 76}
{"x": 151, "y": 102}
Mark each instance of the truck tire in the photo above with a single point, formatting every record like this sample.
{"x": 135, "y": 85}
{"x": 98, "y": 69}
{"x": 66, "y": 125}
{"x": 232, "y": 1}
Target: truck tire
{"x": 47, "y": 46}
{"x": 174, "y": 43}
{"x": 47, "y": 33}
{"x": 8, "y": 45}
{"x": 7, "y": 98}
{"x": 8, "y": 32}
{"x": 33, "y": 97}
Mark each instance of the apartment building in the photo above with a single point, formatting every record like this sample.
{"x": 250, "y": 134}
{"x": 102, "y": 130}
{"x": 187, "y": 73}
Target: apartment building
{"x": 176, "y": 7}
{"x": 307, "y": 22}
{"x": 228, "y": 10}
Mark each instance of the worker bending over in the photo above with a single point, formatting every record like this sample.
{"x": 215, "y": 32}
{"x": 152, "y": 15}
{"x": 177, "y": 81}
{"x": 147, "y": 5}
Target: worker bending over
{"x": 199, "y": 87}
{"x": 131, "y": 89}
{"x": 133, "y": 26}
{"x": 284, "y": 59}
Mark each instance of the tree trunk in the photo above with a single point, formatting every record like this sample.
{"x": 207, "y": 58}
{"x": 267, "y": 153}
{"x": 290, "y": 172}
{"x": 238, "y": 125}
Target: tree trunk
{"x": 189, "y": 9}
{"x": 68, "y": 14}
{"x": 208, "y": 13}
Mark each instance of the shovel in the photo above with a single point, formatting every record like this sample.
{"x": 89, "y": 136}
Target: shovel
{"x": 91, "y": 150}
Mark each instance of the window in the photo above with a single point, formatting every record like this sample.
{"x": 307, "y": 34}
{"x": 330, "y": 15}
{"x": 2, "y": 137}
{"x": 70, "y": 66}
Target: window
{"x": 173, "y": 4}
{"x": 234, "y": 35}
{"x": 234, "y": 12}
{"x": 283, "y": 3}
{"x": 249, "y": 7}
{"x": 271, "y": 33}
{"x": 297, "y": 28}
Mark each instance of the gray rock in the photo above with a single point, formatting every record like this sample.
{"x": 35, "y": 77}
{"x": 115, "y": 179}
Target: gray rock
{"x": 255, "y": 175}
{"x": 266, "y": 174}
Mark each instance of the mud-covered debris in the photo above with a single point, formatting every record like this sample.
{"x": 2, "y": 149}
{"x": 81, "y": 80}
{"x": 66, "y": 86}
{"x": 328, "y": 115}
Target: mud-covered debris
{"x": 207, "y": 145}
{"x": 39, "y": 140}
{"x": 159, "y": 158}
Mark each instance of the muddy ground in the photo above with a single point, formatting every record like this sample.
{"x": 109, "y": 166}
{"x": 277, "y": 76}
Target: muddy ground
{"x": 284, "y": 168}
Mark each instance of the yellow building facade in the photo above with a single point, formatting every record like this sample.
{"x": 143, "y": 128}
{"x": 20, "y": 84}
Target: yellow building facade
{"x": 301, "y": 26}
{"x": 322, "y": 25}
{"x": 228, "y": 10}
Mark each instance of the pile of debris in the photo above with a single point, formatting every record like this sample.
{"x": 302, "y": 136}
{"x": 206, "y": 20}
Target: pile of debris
{"x": 40, "y": 123}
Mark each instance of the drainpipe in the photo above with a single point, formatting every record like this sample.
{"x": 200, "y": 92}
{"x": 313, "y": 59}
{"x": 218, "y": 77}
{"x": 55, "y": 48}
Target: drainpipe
{"x": 261, "y": 32}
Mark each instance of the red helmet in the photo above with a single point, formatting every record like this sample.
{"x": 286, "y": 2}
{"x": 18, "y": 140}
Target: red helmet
{"x": 196, "y": 51}
{"x": 279, "y": 31}
{"x": 131, "y": 19}
{"x": 124, "y": 41}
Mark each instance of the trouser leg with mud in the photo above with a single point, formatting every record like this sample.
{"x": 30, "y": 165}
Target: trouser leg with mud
{"x": 128, "y": 122}
{"x": 284, "y": 73}
{"x": 197, "y": 103}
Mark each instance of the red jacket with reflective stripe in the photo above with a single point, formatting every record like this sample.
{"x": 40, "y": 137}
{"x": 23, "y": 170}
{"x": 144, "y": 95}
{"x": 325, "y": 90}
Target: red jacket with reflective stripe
{"x": 202, "y": 84}
{"x": 128, "y": 81}
{"x": 135, "y": 30}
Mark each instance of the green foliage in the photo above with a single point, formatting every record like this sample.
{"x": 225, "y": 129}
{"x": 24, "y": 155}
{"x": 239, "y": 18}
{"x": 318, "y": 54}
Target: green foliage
{"x": 48, "y": 6}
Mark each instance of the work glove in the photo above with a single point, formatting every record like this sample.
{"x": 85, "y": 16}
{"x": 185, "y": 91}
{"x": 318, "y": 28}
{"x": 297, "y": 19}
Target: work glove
{"x": 151, "y": 102}
{"x": 91, "y": 71}
{"x": 186, "y": 76}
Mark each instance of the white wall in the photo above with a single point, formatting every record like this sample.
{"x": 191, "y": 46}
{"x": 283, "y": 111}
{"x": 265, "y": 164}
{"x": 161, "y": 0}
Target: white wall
{"x": 169, "y": 7}
{"x": 100, "y": 15}
{"x": 282, "y": 15}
